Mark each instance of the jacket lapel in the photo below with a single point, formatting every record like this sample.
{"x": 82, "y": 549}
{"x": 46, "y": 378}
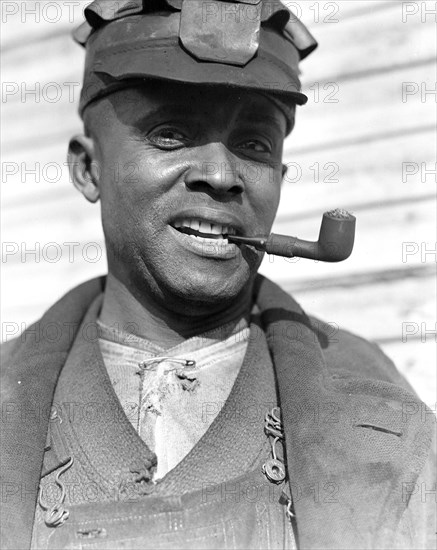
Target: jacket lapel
{"x": 29, "y": 376}
{"x": 350, "y": 446}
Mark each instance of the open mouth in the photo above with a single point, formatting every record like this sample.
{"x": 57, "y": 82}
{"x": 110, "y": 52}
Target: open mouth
{"x": 200, "y": 229}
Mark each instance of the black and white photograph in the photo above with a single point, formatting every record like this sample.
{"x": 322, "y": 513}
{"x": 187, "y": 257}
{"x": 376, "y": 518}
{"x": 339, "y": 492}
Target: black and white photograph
{"x": 218, "y": 274}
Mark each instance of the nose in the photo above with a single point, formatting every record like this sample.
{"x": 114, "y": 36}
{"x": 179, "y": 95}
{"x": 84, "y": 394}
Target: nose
{"x": 214, "y": 171}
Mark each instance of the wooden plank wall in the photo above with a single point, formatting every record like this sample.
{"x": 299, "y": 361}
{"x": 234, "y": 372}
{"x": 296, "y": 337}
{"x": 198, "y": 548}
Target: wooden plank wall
{"x": 348, "y": 150}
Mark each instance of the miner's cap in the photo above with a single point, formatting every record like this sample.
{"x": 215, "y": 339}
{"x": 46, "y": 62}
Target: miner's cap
{"x": 254, "y": 45}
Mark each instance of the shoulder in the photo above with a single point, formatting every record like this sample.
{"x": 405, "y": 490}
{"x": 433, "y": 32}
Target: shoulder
{"x": 350, "y": 356}
{"x": 8, "y": 350}
{"x": 8, "y": 347}
{"x": 39, "y": 340}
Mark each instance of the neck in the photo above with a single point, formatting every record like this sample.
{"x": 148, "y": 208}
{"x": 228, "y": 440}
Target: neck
{"x": 164, "y": 328}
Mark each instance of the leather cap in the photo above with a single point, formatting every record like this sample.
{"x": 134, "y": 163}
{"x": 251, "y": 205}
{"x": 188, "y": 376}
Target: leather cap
{"x": 250, "y": 44}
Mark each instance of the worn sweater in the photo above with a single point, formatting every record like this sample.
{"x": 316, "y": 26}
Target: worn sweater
{"x": 170, "y": 404}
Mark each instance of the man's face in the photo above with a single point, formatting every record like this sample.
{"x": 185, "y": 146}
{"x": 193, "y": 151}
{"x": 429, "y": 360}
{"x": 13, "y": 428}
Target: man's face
{"x": 179, "y": 166}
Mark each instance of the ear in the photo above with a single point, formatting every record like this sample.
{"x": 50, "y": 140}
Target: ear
{"x": 284, "y": 171}
{"x": 84, "y": 169}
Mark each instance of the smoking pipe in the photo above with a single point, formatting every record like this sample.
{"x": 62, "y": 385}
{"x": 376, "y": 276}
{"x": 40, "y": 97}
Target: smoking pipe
{"x": 335, "y": 244}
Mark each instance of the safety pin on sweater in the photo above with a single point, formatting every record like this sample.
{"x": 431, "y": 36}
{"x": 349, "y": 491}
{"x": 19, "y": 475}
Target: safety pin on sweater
{"x": 57, "y": 514}
{"x": 144, "y": 365}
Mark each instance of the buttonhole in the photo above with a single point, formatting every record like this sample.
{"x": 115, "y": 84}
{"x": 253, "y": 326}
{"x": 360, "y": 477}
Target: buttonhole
{"x": 98, "y": 532}
{"x": 379, "y": 429}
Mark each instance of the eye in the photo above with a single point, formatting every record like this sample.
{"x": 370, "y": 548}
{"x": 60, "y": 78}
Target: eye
{"x": 168, "y": 137}
{"x": 255, "y": 145}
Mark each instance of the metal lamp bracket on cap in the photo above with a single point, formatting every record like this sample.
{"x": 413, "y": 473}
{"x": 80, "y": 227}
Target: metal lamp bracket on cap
{"x": 210, "y": 30}
{"x": 221, "y": 32}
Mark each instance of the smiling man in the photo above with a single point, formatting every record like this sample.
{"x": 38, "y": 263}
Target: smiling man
{"x": 187, "y": 402}
{"x": 203, "y": 163}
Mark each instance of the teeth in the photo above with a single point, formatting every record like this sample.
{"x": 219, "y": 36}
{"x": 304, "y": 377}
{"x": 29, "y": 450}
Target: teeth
{"x": 205, "y": 227}
{"x": 215, "y": 242}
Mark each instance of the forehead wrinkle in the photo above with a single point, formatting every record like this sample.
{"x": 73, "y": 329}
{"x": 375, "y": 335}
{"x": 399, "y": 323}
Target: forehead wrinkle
{"x": 261, "y": 120}
{"x": 169, "y": 109}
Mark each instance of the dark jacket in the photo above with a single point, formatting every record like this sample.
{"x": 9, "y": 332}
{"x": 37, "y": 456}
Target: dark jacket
{"x": 359, "y": 441}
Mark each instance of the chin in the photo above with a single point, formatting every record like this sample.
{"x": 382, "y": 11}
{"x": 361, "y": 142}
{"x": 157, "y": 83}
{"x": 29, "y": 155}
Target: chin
{"x": 186, "y": 288}
{"x": 202, "y": 290}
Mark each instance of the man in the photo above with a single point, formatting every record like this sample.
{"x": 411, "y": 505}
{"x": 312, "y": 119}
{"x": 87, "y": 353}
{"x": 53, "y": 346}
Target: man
{"x": 220, "y": 415}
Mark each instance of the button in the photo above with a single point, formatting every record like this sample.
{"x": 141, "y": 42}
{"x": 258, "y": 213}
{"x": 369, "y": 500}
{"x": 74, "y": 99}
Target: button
{"x": 143, "y": 471}
{"x": 274, "y": 470}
